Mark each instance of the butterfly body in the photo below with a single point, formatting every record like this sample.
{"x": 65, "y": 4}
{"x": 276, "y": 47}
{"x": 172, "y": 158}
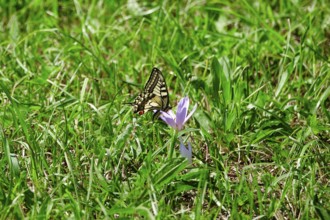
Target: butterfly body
{"x": 154, "y": 96}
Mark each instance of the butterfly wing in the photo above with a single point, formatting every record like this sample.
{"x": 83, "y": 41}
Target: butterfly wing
{"x": 156, "y": 85}
{"x": 155, "y": 95}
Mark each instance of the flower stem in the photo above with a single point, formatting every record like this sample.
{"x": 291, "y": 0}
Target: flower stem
{"x": 173, "y": 142}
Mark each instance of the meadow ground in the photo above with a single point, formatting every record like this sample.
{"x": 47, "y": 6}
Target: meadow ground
{"x": 257, "y": 70}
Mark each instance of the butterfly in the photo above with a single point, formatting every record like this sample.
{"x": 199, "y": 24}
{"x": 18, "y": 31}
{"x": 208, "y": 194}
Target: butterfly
{"x": 154, "y": 96}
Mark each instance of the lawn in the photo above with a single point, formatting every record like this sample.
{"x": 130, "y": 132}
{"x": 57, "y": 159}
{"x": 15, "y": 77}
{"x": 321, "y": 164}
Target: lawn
{"x": 72, "y": 148}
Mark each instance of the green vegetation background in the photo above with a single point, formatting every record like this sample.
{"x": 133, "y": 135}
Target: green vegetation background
{"x": 71, "y": 148}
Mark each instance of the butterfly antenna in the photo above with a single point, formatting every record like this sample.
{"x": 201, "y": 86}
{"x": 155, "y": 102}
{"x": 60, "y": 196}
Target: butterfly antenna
{"x": 128, "y": 103}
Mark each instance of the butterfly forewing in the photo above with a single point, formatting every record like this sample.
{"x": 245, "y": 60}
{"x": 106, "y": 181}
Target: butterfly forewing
{"x": 157, "y": 86}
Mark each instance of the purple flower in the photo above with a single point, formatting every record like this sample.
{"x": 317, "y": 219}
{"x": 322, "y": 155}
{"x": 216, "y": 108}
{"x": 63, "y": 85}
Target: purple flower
{"x": 177, "y": 121}
{"x": 186, "y": 152}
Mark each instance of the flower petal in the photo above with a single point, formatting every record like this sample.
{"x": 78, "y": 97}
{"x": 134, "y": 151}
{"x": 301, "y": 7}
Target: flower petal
{"x": 182, "y": 112}
{"x": 168, "y": 118}
{"x": 187, "y": 153}
{"x": 190, "y": 114}
{"x": 170, "y": 112}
